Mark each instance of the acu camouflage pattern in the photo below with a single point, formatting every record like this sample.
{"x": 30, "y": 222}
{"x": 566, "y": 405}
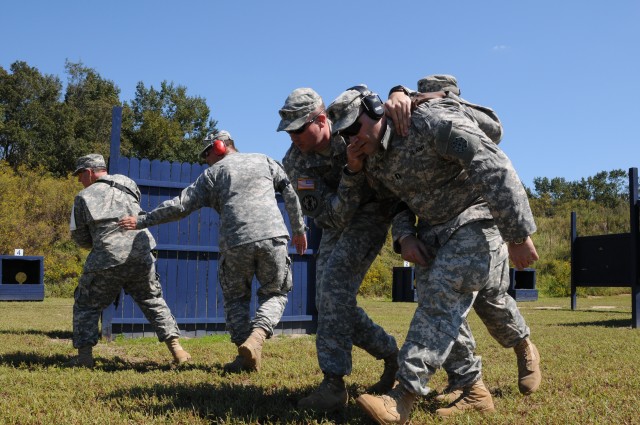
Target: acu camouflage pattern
{"x": 269, "y": 261}
{"x": 97, "y": 289}
{"x": 471, "y": 264}
{"x": 118, "y": 259}
{"x": 500, "y": 315}
{"x": 325, "y": 195}
{"x": 355, "y": 225}
{"x": 484, "y": 116}
{"x": 447, "y": 171}
{"x": 253, "y": 236}
{"x": 94, "y": 225}
{"x": 241, "y": 188}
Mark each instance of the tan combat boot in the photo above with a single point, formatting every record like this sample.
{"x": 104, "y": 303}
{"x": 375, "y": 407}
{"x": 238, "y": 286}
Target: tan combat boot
{"x": 236, "y": 366}
{"x": 529, "y": 375}
{"x": 251, "y": 349}
{"x": 83, "y": 359}
{"x": 474, "y": 397}
{"x": 179, "y": 355}
{"x": 391, "y": 408}
{"x": 330, "y": 395}
{"x": 388, "y": 377}
{"x": 449, "y": 396}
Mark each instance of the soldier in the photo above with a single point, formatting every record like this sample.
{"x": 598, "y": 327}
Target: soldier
{"x": 503, "y": 320}
{"x": 253, "y": 238}
{"x": 469, "y": 200}
{"x": 117, "y": 260}
{"x": 354, "y": 228}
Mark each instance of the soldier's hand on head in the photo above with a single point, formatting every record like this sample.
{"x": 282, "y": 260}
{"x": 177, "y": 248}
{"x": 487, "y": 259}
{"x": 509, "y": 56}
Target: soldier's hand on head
{"x": 300, "y": 243}
{"x": 398, "y": 109}
{"x": 128, "y": 223}
{"x": 414, "y": 251}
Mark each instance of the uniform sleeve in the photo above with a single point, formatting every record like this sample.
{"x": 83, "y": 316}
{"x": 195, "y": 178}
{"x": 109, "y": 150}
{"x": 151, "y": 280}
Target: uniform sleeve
{"x": 490, "y": 172}
{"x": 403, "y": 224}
{"x": 282, "y": 184}
{"x": 192, "y": 198}
{"x": 488, "y": 122}
{"x": 485, "y": 117}
{"x": 80, "y": 232}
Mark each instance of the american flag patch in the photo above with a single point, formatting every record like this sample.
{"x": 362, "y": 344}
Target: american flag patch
{"x": 306, "y": 184}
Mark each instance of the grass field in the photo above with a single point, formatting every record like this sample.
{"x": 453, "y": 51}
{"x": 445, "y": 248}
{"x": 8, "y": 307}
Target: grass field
{"x": 590, "y": 365}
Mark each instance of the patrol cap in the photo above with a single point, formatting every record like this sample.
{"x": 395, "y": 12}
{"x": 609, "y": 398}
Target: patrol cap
{"x": 298, "y": 105}
{"x": 223, "y": 135}
{"x": 344, "y": 110}
{"x": 438, "y": 82}
{"x": 93, "y": 160}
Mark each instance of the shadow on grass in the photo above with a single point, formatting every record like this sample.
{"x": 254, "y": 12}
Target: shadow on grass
{"x": 49, "y": 334}
{"x": 32, "y": 360}
{"x": 605, "y": 323}
{"x": 20, "y": 359}
{"x": 231, "y": 402}
{"x": 611, "y": 323}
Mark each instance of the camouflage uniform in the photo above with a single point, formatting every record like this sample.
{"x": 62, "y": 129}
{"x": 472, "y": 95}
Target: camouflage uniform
{"x": 354, "y": 228}
{"x": 484, "y": 116}
{"x": 118, "y": 259}
{"x": 447, "y": 172}
{"x": 501, "y": 316}
{"x": 253, "y": 236}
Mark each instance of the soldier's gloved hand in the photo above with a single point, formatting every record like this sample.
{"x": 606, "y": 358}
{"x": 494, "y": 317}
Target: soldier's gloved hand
{"x": 414, "y": 251}
{"x": 128, "y": 223}
{"x": 300, "y": 243}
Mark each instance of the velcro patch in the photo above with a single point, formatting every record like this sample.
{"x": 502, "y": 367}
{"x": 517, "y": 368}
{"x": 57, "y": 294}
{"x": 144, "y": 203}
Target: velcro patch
{"x": 309, "y": 203}
{"x": 459, "y": 145}
{"x": 306, "y": 184}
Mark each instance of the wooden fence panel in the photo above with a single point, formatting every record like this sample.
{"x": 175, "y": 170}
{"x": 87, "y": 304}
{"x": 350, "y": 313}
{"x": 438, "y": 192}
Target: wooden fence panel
{"x": 188, "y": 254}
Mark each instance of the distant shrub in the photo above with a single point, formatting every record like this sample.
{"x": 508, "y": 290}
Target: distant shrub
{"x": 34, "y": 215}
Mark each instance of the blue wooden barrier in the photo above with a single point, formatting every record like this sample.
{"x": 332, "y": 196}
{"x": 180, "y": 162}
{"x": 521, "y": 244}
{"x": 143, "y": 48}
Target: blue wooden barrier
{"x": 610, "y": 260}
{"x": 188, "y": 253}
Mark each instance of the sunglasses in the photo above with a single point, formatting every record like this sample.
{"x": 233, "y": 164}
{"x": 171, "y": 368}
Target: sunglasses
{"x": 305, "y": 125}
{"x": 352, "y": 130}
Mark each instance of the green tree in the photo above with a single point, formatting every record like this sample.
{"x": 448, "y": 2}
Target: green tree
{"x": 89, "y": 100}
{"x": 165, "y": 124}
{"x": 32, "y": 117}
{"x": 605, "y": 188}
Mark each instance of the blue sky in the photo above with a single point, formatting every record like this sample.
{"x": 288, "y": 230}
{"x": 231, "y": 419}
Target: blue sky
{"x": 564, "y": 76}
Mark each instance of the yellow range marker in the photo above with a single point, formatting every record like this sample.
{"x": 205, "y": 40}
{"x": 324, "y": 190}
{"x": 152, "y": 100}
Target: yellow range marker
{"x": 21, "y": 277}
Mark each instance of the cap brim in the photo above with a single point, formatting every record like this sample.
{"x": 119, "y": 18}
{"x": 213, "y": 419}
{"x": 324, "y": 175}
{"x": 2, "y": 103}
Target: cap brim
{"x": 346, "y": 121}
{"x": 286, "y": 125}
{"x": 78, "y": 171}
{"x": 203, "y": 152}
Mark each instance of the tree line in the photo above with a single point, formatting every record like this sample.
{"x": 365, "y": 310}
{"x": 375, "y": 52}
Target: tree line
{"x": 43, "y": 126}
{"x": 607, "y": 188}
